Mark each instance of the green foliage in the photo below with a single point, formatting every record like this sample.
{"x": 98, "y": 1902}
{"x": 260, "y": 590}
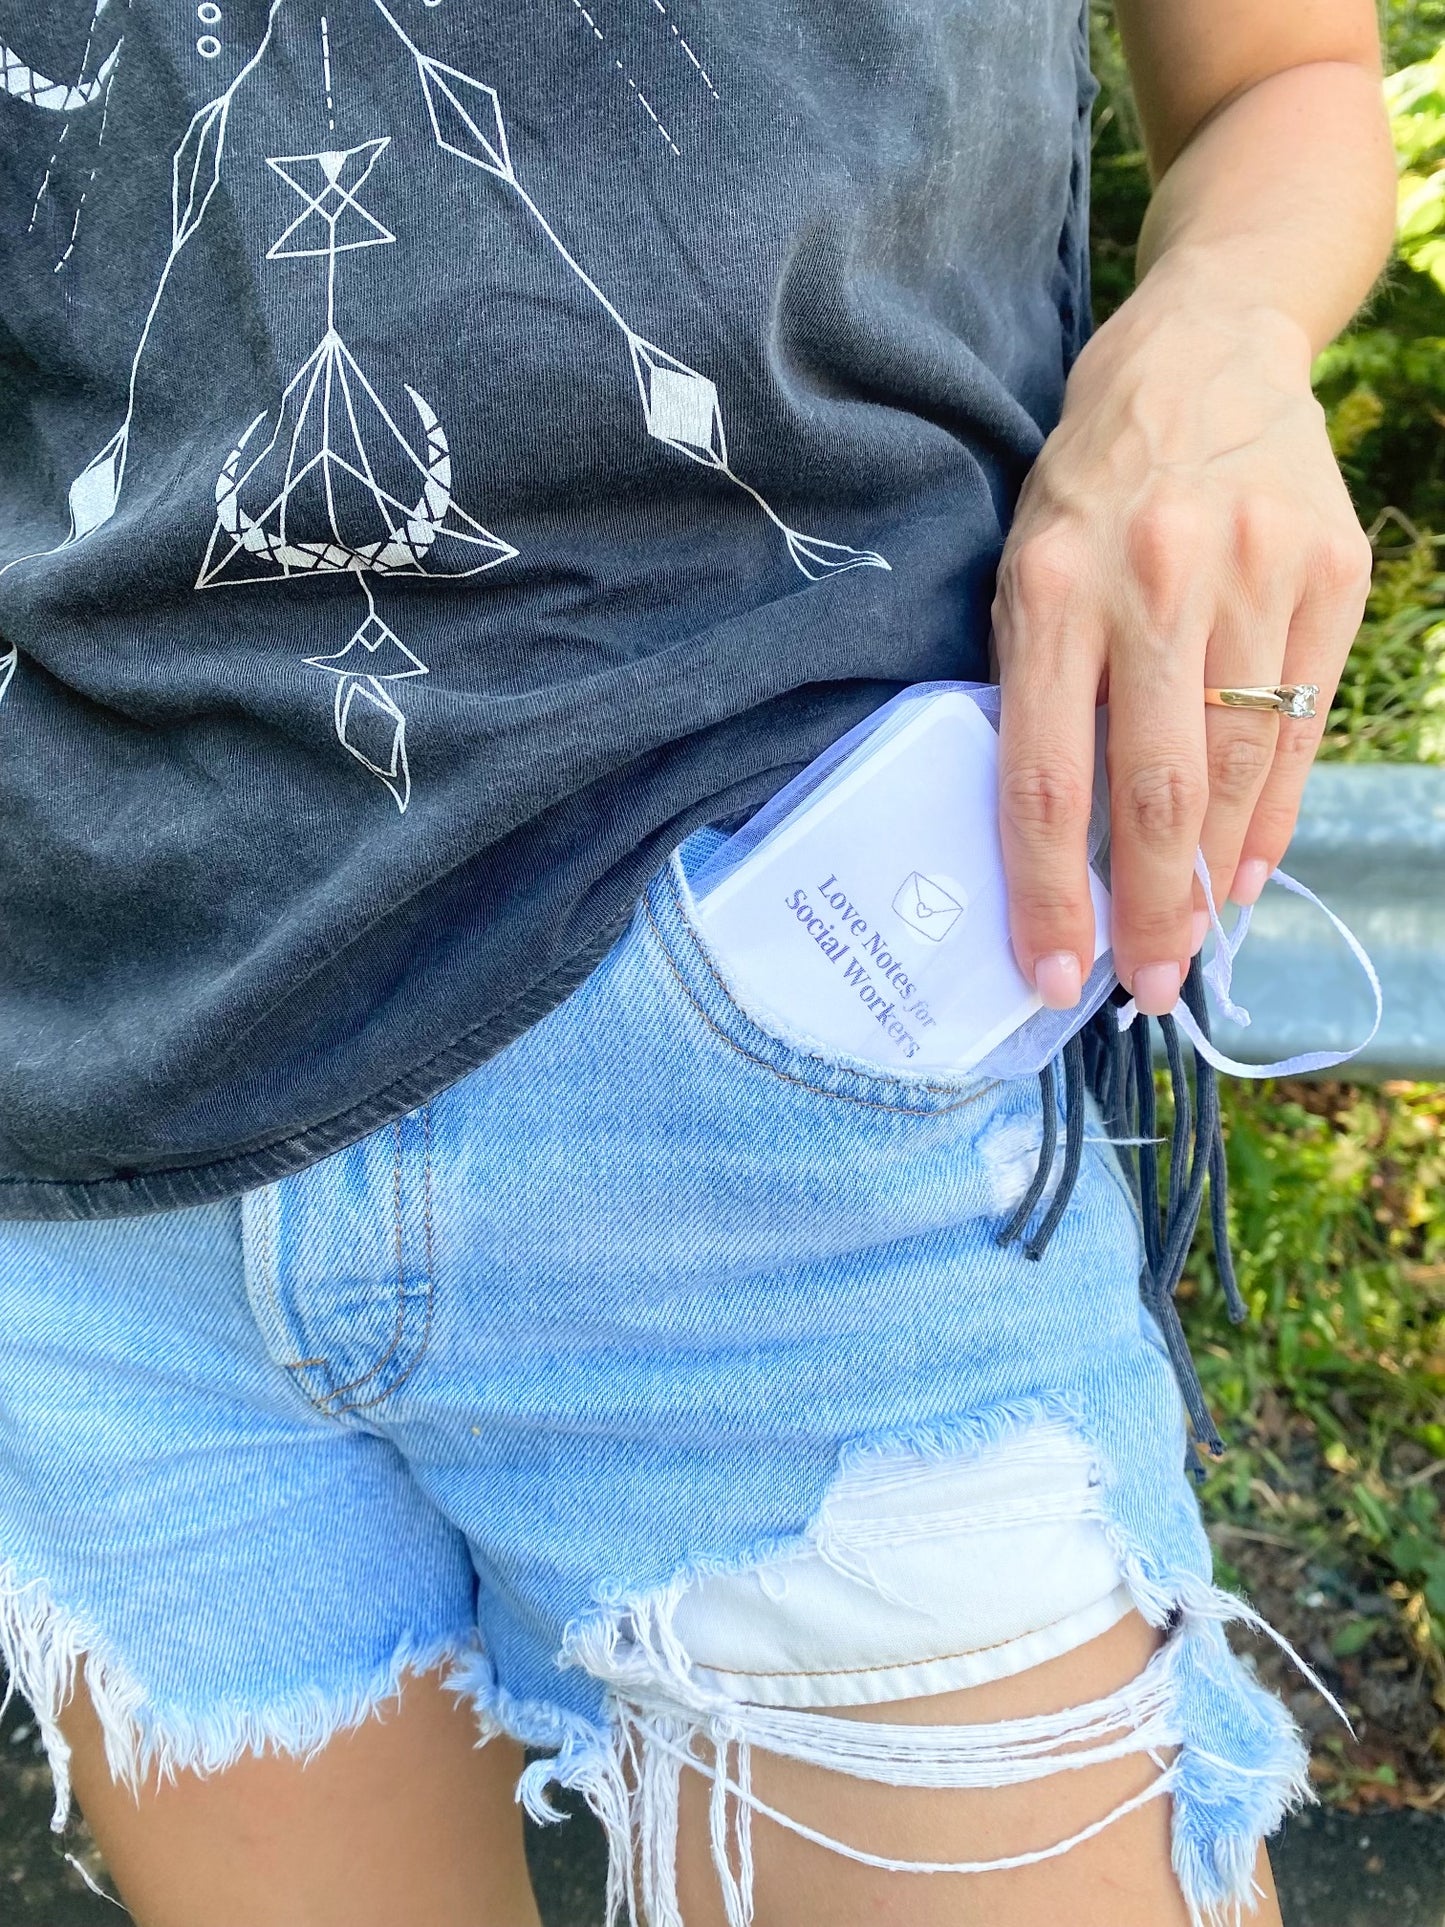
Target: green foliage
{"x": 1390, "y": 706}
{"x": 1383, "y": 390}
{"x": 1416, "y": 99}
{"x": 1120, "y": 187}
{"x": 1412, "y": 29}
{"x": 1383, "y": 384}
{"x": 1333, "y": 1393}
{"x": 1335, "y": 1388}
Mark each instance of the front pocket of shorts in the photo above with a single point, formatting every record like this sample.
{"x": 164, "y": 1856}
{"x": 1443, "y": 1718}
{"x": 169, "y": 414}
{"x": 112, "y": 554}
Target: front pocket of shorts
{"x": 698, "y": 983}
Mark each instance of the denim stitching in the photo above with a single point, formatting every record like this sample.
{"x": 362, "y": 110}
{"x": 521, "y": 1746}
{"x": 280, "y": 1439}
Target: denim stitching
{"x": 791, "y": 1077}
{"x": 268, "y": 1263}
{"x": 366, "y": 1405}
{"x": 340, "y": 1391}
{"x": 271, "y": 1270}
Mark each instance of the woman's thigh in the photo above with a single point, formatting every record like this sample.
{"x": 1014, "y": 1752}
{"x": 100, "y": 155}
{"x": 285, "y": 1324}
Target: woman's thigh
{"x": 1122, "y": 1876}
{"x": 403, "y": 1818}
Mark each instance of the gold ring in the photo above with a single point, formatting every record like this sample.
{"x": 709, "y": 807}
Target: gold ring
{"x": 1296, "y": 699}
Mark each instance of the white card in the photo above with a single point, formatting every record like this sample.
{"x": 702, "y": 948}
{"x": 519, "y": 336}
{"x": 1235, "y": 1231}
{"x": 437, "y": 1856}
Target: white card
{"x": 873, "y": 918}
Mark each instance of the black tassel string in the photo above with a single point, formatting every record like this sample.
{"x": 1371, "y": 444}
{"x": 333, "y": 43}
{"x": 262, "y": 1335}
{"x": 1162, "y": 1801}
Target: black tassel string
{"x": 1219, "y": 1232}
{"x": 1028, "y": 1203}
{"x": 1206, "y": 1075}
{"x": 1074, "y": 1117}
{"x": 1117, "y": 1067}
{"x": 1183, "y": 1118}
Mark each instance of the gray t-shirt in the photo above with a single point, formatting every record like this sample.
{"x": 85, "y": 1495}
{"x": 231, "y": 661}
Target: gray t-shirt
{"x": 448, "y": 452}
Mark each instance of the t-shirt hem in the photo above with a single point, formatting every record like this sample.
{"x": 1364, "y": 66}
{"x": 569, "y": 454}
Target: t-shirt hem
{"x": 173, "y": 1188}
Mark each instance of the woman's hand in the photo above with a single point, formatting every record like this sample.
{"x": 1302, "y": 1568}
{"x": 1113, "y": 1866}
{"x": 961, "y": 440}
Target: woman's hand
{"x": 1185, "y": 525}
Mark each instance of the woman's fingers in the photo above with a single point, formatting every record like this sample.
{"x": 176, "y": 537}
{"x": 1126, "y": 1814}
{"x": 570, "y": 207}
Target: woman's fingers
{"x": 1137, "y": 570}
{"x": 1050, "y": 681}
{"x": 1247, "y": 649}
{"x": 1242, "y": 745}
{"x": 1046, "y": 783}
{"x": 1158, "y": 794}
{"x": 1324, "y": 626}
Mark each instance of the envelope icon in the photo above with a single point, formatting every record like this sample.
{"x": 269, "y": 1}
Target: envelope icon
{"x": 929, "y": 907}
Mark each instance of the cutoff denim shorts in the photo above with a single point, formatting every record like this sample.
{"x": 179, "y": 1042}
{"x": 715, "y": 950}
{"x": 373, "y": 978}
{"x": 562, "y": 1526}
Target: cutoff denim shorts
{"x": 663, "y": 1382}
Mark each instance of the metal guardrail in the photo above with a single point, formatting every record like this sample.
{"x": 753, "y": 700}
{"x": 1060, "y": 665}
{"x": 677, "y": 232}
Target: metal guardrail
{"x": 1371, "y": 844}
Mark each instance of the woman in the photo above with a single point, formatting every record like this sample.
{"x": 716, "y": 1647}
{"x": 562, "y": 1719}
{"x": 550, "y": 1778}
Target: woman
{"x": 451, "y": 462}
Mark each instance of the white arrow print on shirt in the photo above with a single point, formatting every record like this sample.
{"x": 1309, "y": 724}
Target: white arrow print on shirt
{"x": 680, "y": 404}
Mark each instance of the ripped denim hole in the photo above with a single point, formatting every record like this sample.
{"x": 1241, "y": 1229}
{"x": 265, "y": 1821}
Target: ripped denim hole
{"x": 1226, "y": 1754}
{"x": 1230, "y": 1772}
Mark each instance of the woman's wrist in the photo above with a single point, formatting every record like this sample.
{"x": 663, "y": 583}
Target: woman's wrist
{"x": 1224, "y": 284}
{"x": 1194, "y": 302}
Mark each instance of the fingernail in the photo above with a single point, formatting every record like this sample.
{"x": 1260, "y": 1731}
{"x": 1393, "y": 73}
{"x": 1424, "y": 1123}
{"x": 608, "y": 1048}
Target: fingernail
{"x": 1249, "y": 881}
{"x": 1199, "y": 930}
{"x": 1156, "y": 988}
{"x": 1058, "y": 979}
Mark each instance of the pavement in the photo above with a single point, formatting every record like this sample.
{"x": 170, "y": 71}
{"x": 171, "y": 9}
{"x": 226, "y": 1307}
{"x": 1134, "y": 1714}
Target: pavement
{"x": 1334, "y": 1870}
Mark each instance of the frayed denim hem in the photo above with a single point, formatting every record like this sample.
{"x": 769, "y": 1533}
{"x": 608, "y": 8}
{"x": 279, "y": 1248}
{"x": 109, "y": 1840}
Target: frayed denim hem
{"x": 44, "y": 1645}
{"x": 1229, "y": 1758}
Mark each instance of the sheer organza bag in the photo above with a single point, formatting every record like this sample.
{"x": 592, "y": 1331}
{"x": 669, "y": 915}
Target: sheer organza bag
{"x": 897, "y": 953}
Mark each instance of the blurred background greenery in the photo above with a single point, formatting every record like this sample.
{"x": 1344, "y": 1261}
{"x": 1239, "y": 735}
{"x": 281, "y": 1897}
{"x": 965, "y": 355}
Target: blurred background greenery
{"x": 1327, "y": 1510}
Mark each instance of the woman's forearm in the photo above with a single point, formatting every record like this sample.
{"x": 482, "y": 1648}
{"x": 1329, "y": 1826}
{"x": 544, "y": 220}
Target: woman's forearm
{"x": 1284, "y": 199}
{"x": 1185, "y": 526}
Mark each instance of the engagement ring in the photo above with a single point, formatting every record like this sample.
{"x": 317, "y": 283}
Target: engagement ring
{"x": 1295, "y": 699}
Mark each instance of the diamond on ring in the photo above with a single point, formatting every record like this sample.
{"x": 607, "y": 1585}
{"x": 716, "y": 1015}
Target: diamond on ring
{"x": 1295, "y": 699}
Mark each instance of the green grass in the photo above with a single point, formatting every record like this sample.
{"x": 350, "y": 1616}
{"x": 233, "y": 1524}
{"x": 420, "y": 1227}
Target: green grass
{"x": 1391, "y": 701}
{"x": 1332, "y": 1397}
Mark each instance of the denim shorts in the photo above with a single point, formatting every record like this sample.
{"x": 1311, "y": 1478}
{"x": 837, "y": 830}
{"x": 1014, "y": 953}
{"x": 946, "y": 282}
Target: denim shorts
{"x": 664, "y": 1382}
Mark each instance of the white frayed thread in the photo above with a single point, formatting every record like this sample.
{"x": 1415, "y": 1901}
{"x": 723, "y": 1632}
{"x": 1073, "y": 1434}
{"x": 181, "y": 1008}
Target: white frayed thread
{"x": 663, "y": 1721}
{"x": 1204, "y": 1601}
{"x": 660, "y": 1712}
{"x": 1247, "y": 1894}
{"x": 1044, "y": 1438}
{"x": 90, "y": 1880}
{"x": 748, "y": 1803}
{"x": 44, "y": 1646}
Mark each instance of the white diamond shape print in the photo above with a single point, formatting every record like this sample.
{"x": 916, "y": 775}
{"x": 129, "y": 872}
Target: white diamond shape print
{"x": 373, "y": 729}
{"x": 390, "y": 659}
{"x": 94, "y": 491}
{"x": 684, "y": 408}
{"x": 680, "y": 404}
{"x": 466, "y": 117}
